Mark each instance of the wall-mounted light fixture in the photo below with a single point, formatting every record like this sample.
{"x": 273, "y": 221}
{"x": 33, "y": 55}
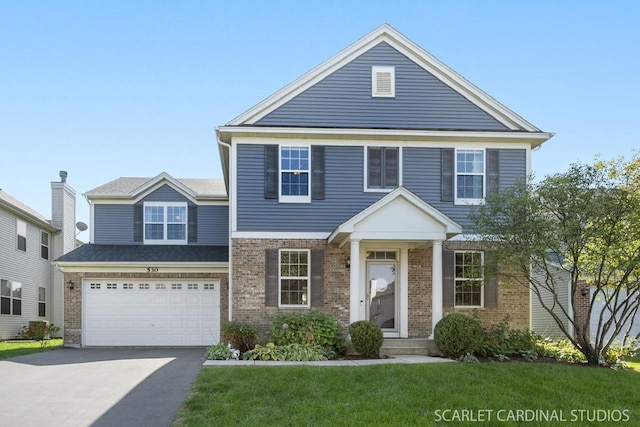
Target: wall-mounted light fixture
{"x": 584, "y": 292}
{"x": 347, "y": 263}
{"x": 71, "y": 284}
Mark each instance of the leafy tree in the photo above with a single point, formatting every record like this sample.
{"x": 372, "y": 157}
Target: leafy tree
{"x": 585, "y": 221}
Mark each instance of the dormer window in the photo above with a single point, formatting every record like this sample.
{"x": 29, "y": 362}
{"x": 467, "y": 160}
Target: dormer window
{"x": 165, "y": 223}
{"x": 383, "y": 82}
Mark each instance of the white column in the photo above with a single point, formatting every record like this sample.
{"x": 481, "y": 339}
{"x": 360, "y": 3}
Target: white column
{"x": 354, "y": 281}
{"x": 436, "y": 284}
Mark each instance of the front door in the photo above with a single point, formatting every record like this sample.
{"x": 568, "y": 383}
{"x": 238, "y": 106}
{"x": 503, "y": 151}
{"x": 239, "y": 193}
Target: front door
{"x": 382, "y": 294}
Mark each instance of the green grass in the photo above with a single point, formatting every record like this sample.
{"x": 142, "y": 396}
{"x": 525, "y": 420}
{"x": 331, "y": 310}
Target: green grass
{"x": 404, "y": 395}
{"x": 19, "y": 348}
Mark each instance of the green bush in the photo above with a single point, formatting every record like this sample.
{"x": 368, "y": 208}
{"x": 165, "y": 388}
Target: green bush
{"x": 457, "y": 334}
{"x": 259, "y": 352}
{"x": 242, "y": 335}
{"x": 562, "y": 350}
{"x": 501, "y": 341}
{"x": 366, "y": 338}
{"x": 39, "y": 331}
{"x": 218, "y": 352}
{"x": 288, "y": 352}
{"x": 314, "y": 328}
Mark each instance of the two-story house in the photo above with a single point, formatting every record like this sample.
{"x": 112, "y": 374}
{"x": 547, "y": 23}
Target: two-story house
{"x": 31, "y": 289}
{"x": 348, "y": 192}
{"x": 156, "y": 267}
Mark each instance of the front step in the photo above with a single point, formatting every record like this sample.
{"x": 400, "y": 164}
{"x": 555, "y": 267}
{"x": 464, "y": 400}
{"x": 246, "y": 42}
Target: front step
{"x": 413, "y": 346}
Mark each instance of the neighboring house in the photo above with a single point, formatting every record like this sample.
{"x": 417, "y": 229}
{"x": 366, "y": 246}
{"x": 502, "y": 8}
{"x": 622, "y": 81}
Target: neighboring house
{"x": 156, "y": 267}
{"x": 31, "y": 289}
{"x": 350, "y": 190}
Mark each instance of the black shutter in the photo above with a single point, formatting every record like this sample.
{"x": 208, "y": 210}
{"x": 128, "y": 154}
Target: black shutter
{"x": 270, "y": 171}
{"x": 448, "y": 282}
{"x": 192, "y": 223}
{"x": 447, "y": 171}
{"x": 391, "y": 168}
{"x": 374, "y": 167}
{"x": 138, "y": 222}
{"x": 271, "y": 266}
{"x": 317, "y": 277}
{"x": 491, "y": 280}
{"x": 317, "y": 172}
{"x": 493, "y": 171}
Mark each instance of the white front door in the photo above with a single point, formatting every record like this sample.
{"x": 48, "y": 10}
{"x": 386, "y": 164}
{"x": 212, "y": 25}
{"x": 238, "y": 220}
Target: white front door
{"x": 382, "y": 290}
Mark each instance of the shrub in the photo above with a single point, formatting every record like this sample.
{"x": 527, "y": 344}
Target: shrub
{"x": 457, "y": 334}
{"x": 366, "y": 337}
{"x": 218, "y": 352}
{"x": 241, "y": 335}
{"x": 39, "y": 331}
{"x": 501, "y": 341}
{"x": 301, "y": 352}
{"x": 266, "y": 352}
{"x": 314, "y": 328}
{"x": 562, "y": 350}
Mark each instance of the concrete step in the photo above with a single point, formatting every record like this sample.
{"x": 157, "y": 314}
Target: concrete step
{"x": 409, "y": 346}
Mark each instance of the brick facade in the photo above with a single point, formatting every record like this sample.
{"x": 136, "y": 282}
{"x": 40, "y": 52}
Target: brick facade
{"x": 73, "y": 297}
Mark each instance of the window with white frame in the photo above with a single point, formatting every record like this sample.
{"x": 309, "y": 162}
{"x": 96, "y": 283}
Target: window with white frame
{"x": 383, "y": 168}
{"x": 165, "y": 223}
{"x": 469, "y": 278}
{"x": 470, "y": 176}
{"x": 10, "y": 297}
{"x": 294, "y": 174}
{"x": 294, "y": 278}
{"x": 44, "y": 245}
{"x": 383, "y": 82}
{"x": 21, "y": 232}
{"x": 42, "y": 301}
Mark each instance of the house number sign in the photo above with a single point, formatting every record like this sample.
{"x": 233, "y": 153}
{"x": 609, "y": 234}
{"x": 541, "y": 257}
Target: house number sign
{"x": 152, "y": 269}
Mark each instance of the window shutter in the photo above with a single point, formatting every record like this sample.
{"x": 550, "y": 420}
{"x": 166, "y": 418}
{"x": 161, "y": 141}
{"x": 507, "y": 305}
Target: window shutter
{"x": 493, "y": 171}
{"x": 491, "y": 282}
{"x": 317, "y": 172}
{"x": 138, "y": 222}
{"x": 271, "y": 278}
{"x": 447, "y": 169}
{"x": 317, "y": 277}
{"x": 391, "y": 167}
{"x": 270, "y": 171}
{"x": 192, "y": 223}
{"x": 448, "y": 283}
{"x": 374, "y": 167}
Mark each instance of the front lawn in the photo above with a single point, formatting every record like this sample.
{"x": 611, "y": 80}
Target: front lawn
{"x": 408, "y": 395}
{"x": 19, "y": 348}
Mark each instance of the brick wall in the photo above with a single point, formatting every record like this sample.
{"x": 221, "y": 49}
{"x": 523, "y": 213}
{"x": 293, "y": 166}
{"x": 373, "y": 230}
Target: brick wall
{"x": 73, "y": 297}
{"x": 420, "y": 292}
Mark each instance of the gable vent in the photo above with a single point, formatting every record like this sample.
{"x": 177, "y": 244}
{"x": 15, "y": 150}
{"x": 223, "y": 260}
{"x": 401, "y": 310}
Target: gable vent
{"x": 383, "y": 82}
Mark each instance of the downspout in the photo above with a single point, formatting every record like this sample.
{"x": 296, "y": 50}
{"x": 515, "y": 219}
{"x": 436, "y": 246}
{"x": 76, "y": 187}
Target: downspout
{"x": 229, "y": 280}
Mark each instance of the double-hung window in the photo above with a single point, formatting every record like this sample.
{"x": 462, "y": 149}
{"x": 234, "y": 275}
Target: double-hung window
{"x": 470, "y": 176}
{"x": 165, "y": 223}
{"x": 294, "y": 278}
{"x": 294, "y": 174}
{"x": 10, "y": 297}
{"x": 469, "y": 278}
{"x": 21, "y": 232}
{"x": 44, "y": 245}
{"x": 42, "y": 301}
{"x": 383, "y": 168}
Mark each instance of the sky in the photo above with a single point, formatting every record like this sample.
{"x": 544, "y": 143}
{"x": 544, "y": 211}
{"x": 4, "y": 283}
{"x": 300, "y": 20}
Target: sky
{"x": 120, "y": 88}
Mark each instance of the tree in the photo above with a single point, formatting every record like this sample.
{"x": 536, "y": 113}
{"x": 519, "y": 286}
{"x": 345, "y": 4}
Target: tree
{"x": 585, "y": 222}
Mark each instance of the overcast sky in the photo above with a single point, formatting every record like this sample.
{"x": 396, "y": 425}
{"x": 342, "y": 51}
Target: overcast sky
{"x": 120, "y": 88}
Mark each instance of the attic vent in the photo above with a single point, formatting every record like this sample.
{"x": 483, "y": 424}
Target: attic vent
{"x": 383, "y": 82}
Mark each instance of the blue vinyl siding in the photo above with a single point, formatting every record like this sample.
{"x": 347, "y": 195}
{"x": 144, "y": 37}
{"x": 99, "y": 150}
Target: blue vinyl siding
{"x": 113, "y": 224}
{"x": 343, "y": 99}
{"x": 344, "y": 196}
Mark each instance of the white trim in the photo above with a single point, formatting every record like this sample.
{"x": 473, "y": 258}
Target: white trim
{"x": 376, "y": 71}
{"x": 481, "y": 280}
{"x": 386, "y": 33}
{"x": 165, "y": 240}
{"x": 142, "y": 267}
{"x": 307, "y": 277}
{"x": 280, "y": 235}
{"x": 288, "y": 198}
{"x": 470, "y": 201}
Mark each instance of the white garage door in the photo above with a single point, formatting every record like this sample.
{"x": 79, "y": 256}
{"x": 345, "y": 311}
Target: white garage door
{"x": 153, "y": 313}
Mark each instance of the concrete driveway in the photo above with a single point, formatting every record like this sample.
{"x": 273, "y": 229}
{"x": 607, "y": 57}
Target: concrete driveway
{"x": 97, "y": 386}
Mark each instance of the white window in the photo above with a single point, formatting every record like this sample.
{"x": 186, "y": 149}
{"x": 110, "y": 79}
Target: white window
{"x": 165, "y": 223}
{"x": 209, "y": 286}
{"x": 127, "y": 286}
{"x": 469, "y": 278}
{"x": 10, "y": 297}
{"x": 95, "y": 286}
{"x": 294, "y": 278}
{"x": 44, "y": 245}
{"x": 176, "y": 286}
{"x": 21, "y": 228}
{"x": 112, "y": 286}
{"x": 470, "y": 176}
{"x": 294, "y": 174}
{"x": 161, "y": 286}
{"x": 382, "y": 168}
{"x": 383, "y": 82}
{"x": 42, "y": 301}
{"x": 192, "y": 286}
{"x": 143, "y": 286}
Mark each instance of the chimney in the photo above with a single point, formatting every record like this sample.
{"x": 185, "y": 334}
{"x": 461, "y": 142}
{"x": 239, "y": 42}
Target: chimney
{"x": 63, "y": 176}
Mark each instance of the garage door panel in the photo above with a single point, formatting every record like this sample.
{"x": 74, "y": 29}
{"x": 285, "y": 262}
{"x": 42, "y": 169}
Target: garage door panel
{"x": 159, "y": 313}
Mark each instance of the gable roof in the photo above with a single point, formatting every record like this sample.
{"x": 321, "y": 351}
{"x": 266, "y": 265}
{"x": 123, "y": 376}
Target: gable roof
{"x": 386, "y": 34}
{"x": 132, "y": 188}
{"x": 18, "y": 208}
